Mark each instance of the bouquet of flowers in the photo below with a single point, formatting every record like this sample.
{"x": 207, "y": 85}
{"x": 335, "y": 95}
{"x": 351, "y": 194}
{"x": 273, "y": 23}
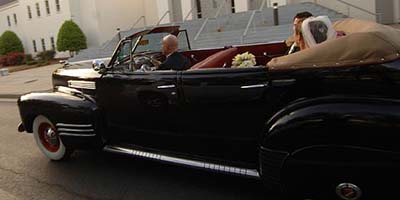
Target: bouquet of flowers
{"x": 244, "y": 60}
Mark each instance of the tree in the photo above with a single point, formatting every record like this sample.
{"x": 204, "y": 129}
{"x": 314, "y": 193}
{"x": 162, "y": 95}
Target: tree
{"x": 70, "y": 37}
{"x": 10, "y": 43}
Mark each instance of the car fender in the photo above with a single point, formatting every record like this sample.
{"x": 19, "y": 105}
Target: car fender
{"x": 354, "y": 121}
{"x": 59, "y": 107}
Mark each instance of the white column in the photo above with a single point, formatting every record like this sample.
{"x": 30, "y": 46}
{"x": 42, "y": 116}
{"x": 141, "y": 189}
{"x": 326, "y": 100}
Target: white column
{"x": 241, "y": 5}
{"x": 163, "y": 6}
{"x": 397, "y": 11}
{"x": 187, "y": 6}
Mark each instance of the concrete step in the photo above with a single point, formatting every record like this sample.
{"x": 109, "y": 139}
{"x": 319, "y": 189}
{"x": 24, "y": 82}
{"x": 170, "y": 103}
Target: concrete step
{"x": 232, "y": 27}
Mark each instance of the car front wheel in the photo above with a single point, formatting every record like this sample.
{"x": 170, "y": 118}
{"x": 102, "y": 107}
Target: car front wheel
{"x": 48, "y": 140}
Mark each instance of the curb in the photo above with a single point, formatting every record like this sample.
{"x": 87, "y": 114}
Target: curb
{"x": 16, "y": 96}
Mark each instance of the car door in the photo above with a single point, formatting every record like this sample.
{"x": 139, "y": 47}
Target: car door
{"x": 223, "y": 112}
{"x": 140, "y": 107}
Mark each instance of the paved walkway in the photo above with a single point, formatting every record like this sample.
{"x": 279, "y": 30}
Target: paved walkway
{"x": 22, "y": 82}
{"x": 395, "y": 26}
{"x": 6, "y": 196}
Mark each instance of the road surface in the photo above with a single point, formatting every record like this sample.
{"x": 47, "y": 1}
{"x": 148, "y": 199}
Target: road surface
{"x": 26, "y": 174}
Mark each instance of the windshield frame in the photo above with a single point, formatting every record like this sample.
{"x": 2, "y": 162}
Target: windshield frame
{"x": 174, "y": 30}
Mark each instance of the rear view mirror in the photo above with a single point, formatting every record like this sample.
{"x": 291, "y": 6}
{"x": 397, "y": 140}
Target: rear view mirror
{"x": 143, "y": 42}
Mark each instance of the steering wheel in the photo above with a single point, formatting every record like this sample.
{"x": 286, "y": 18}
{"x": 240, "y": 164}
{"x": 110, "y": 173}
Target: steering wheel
{"x": 148, "y": 64}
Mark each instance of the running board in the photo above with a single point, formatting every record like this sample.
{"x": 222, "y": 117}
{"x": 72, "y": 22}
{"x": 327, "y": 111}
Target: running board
{"x": 182, "y": 161}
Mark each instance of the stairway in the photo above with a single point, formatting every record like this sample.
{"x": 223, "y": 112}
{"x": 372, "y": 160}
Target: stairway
{"x": 228, "y": 30}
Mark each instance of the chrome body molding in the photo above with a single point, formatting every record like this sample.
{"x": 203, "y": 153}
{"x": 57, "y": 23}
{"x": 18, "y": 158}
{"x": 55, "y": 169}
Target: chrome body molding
{"x": 75, "y": 125}
{"x": 254, "y": 86}
{"x": 283, "y": 82}
{"x": 76, "y": 130}
{"x": 165, "y": 86}
{"x": 77, "y": 134}
{"x": 90, "y": 85}
{"x": 183, "y": 161}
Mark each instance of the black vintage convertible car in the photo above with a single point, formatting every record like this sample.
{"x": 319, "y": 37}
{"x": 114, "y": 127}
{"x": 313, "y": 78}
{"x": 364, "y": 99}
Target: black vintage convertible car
{"x": 324, "y": 121}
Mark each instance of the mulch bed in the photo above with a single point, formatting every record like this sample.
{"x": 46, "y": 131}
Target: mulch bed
{"x": 12, "y": 69}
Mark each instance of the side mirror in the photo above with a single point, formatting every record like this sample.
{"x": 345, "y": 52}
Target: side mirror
{"x": 98, "y": 65}
{"x": 64, "y": 62}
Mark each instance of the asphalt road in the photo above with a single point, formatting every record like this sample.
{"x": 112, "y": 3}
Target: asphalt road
{"x": 26, "y": 174}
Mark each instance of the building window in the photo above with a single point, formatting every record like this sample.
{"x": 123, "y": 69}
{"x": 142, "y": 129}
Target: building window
{"x": 8, "y": 20}
{"x": 47, "y": 6}
{"x": 43, "y": 45}
{"x": 53, "y": 44}
{"x": 34, "y": 46}
{"x": 15, "y": 19}
{"x": 58, "y": 7}
{"x": 38, "y": 9}
{"x": 29, "y": 12}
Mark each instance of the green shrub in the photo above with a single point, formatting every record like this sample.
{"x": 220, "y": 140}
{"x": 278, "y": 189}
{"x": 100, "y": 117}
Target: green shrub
{"x": 10, "y": 43}
{"x": 70, "y": 37}
{"x": 28, "y": 58}
{"x": 46, "y": 55}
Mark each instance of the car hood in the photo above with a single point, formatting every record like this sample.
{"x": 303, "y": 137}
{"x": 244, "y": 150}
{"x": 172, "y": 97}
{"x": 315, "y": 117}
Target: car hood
{"x": 80, "y": 73}
{"x": 78, "y": 70}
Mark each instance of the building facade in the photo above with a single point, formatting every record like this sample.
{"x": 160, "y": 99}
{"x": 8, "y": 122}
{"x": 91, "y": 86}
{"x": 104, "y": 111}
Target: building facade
{"x": 383, "y": 11}
{"x": 37, "y": 22}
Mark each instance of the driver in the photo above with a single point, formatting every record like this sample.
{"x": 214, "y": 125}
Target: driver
{"x": 175, "y": 60}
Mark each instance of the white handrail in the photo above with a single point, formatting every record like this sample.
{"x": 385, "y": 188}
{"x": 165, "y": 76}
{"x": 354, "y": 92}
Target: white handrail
{"x": 248, "y": 26}
{"x": 164, "y": 15}
{"x": 201, "y": 29}
{"x": 220, "y": 8}
{"x": 190, "y": 12}
{"x": 246, "y": 31}
{"x": 376, "y": 15}
{"x": 263, "y": 5}
{"x": 139, "y": 19}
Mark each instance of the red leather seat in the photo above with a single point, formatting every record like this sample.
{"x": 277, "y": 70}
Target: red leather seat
{"x": 217, "y": 60}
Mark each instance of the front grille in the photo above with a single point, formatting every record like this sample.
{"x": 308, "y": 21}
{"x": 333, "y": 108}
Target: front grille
{"x": 271, "y": 164}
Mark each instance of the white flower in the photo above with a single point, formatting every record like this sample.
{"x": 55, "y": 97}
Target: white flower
{"x": 244, "y": 60}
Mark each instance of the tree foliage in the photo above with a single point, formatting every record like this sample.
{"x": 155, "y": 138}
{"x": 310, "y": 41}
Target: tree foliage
{"x": 10, "y": 43}
{"x": 70, "y": 37}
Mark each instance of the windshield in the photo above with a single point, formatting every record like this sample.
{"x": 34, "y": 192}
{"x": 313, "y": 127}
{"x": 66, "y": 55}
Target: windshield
{"x": 152, "y": 42}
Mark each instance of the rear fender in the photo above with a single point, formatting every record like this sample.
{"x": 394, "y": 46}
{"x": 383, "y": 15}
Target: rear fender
{"x": 354, "y": 121}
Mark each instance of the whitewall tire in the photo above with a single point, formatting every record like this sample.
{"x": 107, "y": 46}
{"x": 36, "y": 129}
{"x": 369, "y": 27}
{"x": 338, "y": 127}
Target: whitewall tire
{"x": 48, "y": 140}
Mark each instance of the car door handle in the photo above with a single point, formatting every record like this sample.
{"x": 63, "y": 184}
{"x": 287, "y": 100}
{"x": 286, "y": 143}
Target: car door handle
{"x": 254, "y": 86}
{"x": 165, "y": 86}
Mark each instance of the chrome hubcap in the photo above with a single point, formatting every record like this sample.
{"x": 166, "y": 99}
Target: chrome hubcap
{"x": 348, "y": 191}
{"x": 51, "y": 136}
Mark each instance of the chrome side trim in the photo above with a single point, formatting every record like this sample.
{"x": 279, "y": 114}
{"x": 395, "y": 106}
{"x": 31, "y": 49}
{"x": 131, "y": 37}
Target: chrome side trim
{"x": 75, "y": 130}
{"x": 77, "y": 134}
{"x": 182, "y": 161}
{"x": 75, "y": 125}
{"x": 253, "y": 86}
{"x": 165, "y": 86}
{"x": 283, "y": 82}
{"x": 68, "y": 90}
{"x": 90, "y": 85}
